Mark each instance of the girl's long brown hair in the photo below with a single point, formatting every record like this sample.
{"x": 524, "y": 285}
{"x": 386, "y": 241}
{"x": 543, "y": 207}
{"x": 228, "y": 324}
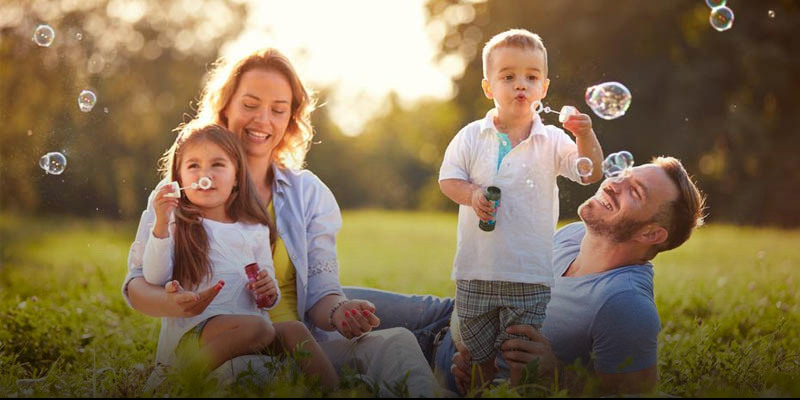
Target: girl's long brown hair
{"x": 191, "y": 263}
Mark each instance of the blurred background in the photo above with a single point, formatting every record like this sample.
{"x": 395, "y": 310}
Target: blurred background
{"x": 397, "y": 80}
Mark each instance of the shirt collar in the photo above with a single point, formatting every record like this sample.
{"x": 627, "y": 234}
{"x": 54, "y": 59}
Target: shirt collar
{"x": 280, "y": 175}
{"x": 487, "y": 124}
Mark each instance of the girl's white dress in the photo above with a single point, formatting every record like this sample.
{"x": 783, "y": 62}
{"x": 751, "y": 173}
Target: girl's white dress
{"x": 232, "y": 246}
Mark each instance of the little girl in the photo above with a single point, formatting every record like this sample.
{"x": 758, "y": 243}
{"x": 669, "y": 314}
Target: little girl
{"x": 216, "y": 231}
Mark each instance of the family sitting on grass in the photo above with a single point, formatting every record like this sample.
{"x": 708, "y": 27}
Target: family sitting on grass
{"x": 526, "y": 295}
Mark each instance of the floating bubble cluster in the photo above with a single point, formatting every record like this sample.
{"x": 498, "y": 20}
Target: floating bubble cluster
{"x": 721, "y": 18}
{"x": 53, "y": 163}
{"x": 608, "y": 100}
{"x": 584, "y": 167}
{"x": 617, "y": 165}
{"x": 44, "y": 35}
{"x": 86, "y": 100}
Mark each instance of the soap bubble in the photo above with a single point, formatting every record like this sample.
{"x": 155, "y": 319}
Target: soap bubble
{"x": 79, "y": 36}
{"x": 617, "y": 165}
{"x": 53, "y": 163}
{"x": 584, "y": 167}
{"x": 44, "y": 35}
{"x": 608, "y": 100}
{"x": 625, "y": 159}
{"x": 715, "y": 3}
{"x": 86, "y": 100}
{"x": 721, "y": 18}
{"x": 771, "y": 14}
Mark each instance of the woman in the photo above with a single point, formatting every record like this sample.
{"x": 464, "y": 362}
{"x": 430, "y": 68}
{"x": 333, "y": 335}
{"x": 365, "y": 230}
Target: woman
{"x": 260, "y": 98}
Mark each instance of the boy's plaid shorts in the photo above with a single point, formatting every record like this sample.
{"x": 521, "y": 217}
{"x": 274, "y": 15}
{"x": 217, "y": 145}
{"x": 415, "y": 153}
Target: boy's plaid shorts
{"x": 486, "y": 308}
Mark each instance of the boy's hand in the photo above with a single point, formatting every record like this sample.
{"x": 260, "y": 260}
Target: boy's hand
{"x": 163, "y": 206}
{"x": 483, "y": 208}
{"x": 579, "y": 124}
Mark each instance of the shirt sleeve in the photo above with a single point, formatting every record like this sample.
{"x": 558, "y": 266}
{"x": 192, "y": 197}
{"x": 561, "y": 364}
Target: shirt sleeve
{"x": 324, "y": 219}
{"x": 157, "y": 264}
{"x": 566, "y": 155}
{"x": 263, "y": 255}
{"x": 625, "y": 334}
{"x": 455, "y": 164}
{"x": 136, "y": 252}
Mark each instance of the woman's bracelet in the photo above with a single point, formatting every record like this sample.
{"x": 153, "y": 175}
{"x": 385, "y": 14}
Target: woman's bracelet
{"x": 333, "y": 311}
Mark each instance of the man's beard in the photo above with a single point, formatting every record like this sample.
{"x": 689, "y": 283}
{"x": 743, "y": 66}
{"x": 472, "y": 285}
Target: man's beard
{"x": 619, "y": 231}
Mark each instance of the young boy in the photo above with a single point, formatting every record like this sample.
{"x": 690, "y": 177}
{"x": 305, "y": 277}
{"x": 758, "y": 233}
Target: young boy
{"x": 503, "y": 277}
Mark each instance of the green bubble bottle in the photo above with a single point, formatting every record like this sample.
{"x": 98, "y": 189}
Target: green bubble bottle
{"x": 492, "y": 194}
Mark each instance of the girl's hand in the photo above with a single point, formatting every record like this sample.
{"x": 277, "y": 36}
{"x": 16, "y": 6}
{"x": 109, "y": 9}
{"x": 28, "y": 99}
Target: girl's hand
{"x": 355, "y": 318}
{"x": 190, "y": 303}
{"x": 265, "y": 286}
{"x": 163, "y": 206}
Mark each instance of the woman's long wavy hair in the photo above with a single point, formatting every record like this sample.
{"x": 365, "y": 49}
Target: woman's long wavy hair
{"x": 190, "y": 260}
{"x": 222, "y": 83}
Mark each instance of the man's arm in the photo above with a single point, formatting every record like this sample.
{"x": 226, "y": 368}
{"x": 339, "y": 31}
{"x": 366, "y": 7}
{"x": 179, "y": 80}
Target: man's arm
{"x": 519, "y": 353}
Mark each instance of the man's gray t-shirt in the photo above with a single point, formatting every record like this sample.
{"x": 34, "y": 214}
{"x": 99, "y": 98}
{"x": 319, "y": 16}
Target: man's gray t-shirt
{"x": 608, "y": 318}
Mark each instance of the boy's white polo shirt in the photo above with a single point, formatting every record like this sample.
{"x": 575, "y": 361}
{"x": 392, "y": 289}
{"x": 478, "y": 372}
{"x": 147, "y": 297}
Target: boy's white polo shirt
{"x": 520, "y": 249}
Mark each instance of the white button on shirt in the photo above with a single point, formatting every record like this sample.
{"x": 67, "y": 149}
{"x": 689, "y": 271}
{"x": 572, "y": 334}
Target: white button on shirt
{"x": 520, "y": 249}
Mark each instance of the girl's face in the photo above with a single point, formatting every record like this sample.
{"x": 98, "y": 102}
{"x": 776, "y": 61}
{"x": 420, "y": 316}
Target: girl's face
{"x": 259, "y": 111}
{"x": 208, "y": 159}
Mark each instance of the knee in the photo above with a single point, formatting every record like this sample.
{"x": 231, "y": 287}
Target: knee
{"x": 260, "y": 332}
{"x": 296, "y": 328}
{"x": 401, "y": 336}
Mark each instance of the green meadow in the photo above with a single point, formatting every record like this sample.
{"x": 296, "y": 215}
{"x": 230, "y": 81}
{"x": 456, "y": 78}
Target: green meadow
{"x": 728, "y": 303}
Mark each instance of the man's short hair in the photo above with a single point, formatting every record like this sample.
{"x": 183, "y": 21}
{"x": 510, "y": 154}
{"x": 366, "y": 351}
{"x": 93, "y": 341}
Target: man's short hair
{"x": 517, "y": 38}
{"x": 683, "y": 214}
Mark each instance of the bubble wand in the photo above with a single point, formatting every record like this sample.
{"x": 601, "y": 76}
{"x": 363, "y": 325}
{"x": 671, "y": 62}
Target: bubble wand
{"x": 203, "y": 183}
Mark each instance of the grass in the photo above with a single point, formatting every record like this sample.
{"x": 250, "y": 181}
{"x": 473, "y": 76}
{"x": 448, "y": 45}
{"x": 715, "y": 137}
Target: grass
{"x": 728, "y": 303}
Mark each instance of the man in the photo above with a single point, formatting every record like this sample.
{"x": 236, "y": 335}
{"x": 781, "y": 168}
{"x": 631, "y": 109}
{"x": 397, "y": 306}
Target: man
{"x": 602, "y": 311}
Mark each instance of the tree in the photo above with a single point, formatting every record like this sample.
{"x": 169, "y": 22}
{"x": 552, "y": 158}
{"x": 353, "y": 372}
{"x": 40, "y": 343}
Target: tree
{"x": 720, "y": 101}
{"x": 145, "y": 63}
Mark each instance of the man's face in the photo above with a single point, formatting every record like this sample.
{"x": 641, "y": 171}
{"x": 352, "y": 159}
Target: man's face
{"x": 619, "y": 209}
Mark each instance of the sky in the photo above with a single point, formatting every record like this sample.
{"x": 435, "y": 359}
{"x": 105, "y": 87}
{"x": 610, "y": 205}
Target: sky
{"x": 365, "y": 49}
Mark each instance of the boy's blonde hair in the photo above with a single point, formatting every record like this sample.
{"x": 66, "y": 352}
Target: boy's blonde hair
{"x": 223, "y": 82}
{"x": 517, "y": 38}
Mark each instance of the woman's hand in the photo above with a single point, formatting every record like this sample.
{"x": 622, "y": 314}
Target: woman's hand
{"x": 188, "y": 303}
{"x": 355, "y": 318}
{"x": 264, "y": 286}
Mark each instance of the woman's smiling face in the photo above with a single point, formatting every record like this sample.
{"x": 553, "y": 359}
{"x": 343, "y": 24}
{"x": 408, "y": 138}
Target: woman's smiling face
{"x": 260, "y": 110}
